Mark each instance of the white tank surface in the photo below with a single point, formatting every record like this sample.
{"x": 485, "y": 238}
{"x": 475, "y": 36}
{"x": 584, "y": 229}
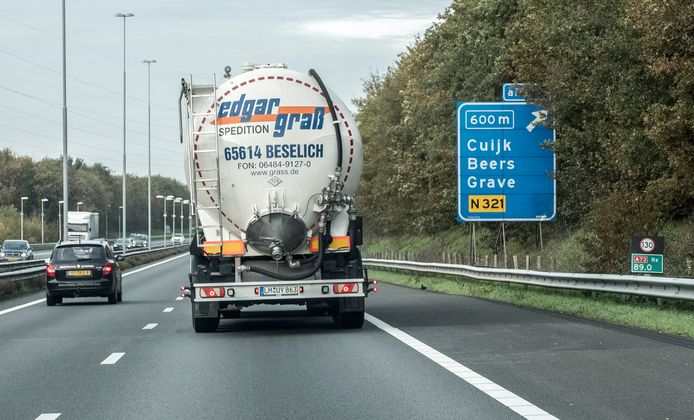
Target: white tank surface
{"x": 269, "y": 137}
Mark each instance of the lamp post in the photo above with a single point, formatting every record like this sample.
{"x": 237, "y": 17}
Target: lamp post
{"x": 63, "y": 232}
{"x": 79, "y": 203}
{"x": 182, "y": 203}
{"x": 190, "y": 222}
{"x": 43, "y": 200}
{"x": 181, "y": 217}
{"x": 164, "y": 203}
{"x": 149, "y": 152}
{"x": 108, "y": 207}
{"x": 21, "y": 216}
{"x": 60, "y": 223}
{"x": 119, "y": 216}
{"x": 173, "y": 228}
{"x": 125, "y": 175}
{"x": 168, "y": 198}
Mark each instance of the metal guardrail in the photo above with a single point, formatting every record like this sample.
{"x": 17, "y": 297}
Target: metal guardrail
{"x": 662, "y": 287}
{"x": 18, "y": 265}
{"x": 10, "y": 269}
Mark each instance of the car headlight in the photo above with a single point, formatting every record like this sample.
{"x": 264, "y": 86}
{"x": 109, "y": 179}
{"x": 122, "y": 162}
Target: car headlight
{"x": 24, "y": 254}
{"x": 2, "y": 254}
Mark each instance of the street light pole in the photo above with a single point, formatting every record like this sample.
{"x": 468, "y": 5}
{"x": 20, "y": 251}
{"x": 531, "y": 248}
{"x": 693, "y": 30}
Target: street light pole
{"x": 168, "y": 198}
{"x": 107, "y": 209}
{"x": 63, "y": 232}
{"x": 60, "y": 223}
{"x": 173, "y": 228}
{"x": 149, "y": 152}
{"x": 43, "y": 200}
{"x": 190, "y": 222}
{"x": 125, "y": 175}
{"x": 119, "y": 216}
{"x": 21, "y": 216}
{"x": 184, "y": 202}
{"x": 182, "y": 217}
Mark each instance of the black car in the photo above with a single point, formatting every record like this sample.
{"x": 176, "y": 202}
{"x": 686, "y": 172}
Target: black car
{"x": 86, "y": 268}
{"x": 15, "y": 250}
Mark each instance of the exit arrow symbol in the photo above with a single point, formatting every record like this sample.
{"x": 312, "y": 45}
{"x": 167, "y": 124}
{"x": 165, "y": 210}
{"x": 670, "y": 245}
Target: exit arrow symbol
{"x": 540, "y": 117}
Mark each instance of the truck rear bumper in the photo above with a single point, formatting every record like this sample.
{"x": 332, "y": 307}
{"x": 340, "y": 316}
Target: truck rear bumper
{"x": 273, "y": 292}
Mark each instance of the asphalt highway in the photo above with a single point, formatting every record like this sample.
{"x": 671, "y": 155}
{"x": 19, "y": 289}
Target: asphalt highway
{"x": 421, "y": 355}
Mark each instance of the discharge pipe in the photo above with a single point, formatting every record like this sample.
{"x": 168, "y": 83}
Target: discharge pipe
{"x": 333, "y": 114}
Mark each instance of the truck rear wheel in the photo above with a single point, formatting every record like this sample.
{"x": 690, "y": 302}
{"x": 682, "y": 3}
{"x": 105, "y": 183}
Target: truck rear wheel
{"x": 205, "y": 325}
{"x": 349, "y": 320}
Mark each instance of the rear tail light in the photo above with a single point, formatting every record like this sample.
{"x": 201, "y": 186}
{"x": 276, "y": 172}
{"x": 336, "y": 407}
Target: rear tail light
{"x": 108, "y": 267}
{"x": 212, "y": 292}
{"x": 340, "y": 288}
{"x": 50, "y": 271}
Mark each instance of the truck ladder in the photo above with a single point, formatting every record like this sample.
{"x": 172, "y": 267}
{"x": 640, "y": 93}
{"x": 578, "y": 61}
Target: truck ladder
{"x": 205, "y": 179}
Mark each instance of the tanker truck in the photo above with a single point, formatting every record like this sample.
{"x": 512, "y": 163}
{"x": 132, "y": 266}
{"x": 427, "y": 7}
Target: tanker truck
{"x": 273, "y": 159}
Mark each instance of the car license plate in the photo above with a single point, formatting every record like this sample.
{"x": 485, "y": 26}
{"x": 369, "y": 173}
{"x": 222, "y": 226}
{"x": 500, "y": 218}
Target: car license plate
{"x": 279, "y": 291}
{"x": 79, "y": 273}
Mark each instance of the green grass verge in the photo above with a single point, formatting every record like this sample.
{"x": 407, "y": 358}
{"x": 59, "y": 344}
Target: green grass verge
{"x": 673, "y": 317}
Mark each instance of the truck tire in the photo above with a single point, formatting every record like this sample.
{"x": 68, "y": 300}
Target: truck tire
{"x": 349, "y": 320}
{"x": 205, "y": 325}
{"x": 51, "y": 300}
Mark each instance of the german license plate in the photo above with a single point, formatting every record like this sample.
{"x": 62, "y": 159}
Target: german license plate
{"x": 79, "y": 273}
{"x": 279, "y": 290}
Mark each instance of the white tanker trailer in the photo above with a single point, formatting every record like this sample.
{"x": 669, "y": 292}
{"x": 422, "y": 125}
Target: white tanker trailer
{"x": 273, "y": 160}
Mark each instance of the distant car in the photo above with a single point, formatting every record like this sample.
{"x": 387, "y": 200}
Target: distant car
{"x": 118, "y": 244}
{"x": 177, "y": 239}
{"x": 139, "y": 240}
{"x": 15, "y": 250}
{"x": 82, "y": 269}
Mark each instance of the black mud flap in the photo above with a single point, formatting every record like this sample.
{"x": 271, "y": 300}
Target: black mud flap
{"x": 205, "y": 309}
{"x": 353, "y": 304}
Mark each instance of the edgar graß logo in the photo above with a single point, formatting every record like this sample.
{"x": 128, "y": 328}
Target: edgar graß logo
{"x": 268, "y": 110}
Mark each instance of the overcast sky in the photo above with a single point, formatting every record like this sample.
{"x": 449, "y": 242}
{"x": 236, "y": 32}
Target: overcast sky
{"x": 343, "y": 41}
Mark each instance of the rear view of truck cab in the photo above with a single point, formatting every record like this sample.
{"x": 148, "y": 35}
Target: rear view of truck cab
{"x": 273, "y": 159}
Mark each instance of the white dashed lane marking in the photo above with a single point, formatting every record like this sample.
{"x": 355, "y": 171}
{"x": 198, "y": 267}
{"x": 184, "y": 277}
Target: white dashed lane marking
{"x": 169, "y": 309}
{"x": 48, "y": 416}
{"x": 179, "y": 298}
{"x": 112, "y": 359}
{"x": 150, "y": 326}
{"x": 499, "y": 393}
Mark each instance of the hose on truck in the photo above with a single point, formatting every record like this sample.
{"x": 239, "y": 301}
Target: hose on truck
{"x": 322, "y": 246}
{"x": 333, "y": 114}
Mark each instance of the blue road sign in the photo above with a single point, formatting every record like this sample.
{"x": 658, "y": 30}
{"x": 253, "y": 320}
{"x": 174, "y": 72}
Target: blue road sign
{"x": 506, "y": 166}
{"x": 509, "y": 92}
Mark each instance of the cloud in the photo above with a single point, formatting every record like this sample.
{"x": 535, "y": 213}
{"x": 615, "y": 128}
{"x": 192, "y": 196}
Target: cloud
{"x": 389, "y": 27}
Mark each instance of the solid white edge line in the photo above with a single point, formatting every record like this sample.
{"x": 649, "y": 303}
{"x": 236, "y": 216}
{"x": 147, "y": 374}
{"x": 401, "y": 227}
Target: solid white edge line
{"x": 150, "y": 326}
{"x": 169, "y": 309}
{"x": 497, "y": 392}
{"x": 26, "y": 305}
{"x": 112, "y": 359}
{"x": 48, "y": 416}
{"x": 18, "y": 307}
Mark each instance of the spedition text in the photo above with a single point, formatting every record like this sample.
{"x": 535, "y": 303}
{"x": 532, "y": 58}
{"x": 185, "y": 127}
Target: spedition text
{"x": 274, "y": 151}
